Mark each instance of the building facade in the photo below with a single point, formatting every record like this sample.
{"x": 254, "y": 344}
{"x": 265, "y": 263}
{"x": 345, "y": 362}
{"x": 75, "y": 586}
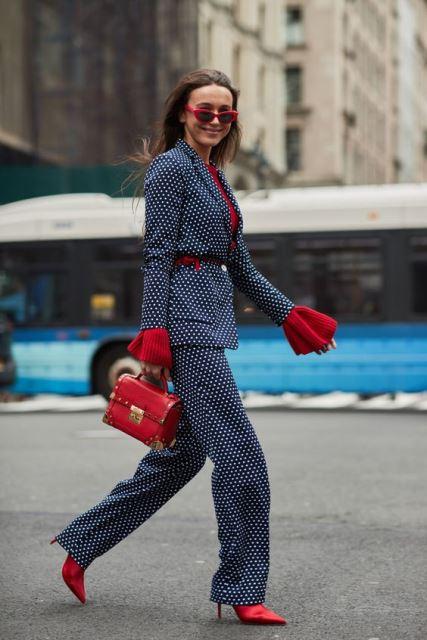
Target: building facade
{"x": 355, "y": 76}
{"x": 244, "y": 38}
{"x": 411, "y": 153}
{"x": 331, "y": 91}
{"x": 83, "y": 80}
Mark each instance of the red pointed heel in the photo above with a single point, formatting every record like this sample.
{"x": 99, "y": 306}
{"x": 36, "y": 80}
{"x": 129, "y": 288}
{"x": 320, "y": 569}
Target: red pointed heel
{"x": 73, "y": 575}
{"x": 255, "y": 614}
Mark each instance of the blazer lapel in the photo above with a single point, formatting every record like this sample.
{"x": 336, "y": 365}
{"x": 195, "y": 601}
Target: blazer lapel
{"x": 210, "y": 182}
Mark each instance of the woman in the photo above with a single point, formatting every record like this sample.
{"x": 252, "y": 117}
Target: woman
{"x": 194, "y": 254}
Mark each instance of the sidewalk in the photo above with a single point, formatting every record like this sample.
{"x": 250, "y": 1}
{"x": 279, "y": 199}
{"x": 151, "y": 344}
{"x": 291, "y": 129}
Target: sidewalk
{"x": 336, "y": 400}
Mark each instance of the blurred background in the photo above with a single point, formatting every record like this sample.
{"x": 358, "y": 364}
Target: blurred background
{"x": 331, "y": 178}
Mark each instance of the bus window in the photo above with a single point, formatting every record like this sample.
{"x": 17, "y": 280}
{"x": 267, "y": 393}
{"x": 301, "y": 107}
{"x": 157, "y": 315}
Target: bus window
{"x": 33, "y": 283}
{"x": 116, "y": 295}
{"x": 29, "y": 254}
{"x": 118, "y": 251}
{"x": 418, "y": 262}
{"x": 13, "y": 296}
{"x": 339, "y": 276}
{"x": 36, "y": 298}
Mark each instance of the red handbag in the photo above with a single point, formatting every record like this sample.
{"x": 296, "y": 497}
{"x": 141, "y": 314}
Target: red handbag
{"x": 144, "y": 410}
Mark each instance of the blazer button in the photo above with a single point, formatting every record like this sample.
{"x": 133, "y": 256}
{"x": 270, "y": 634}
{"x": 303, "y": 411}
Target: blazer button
{"x": 224, "y": 267}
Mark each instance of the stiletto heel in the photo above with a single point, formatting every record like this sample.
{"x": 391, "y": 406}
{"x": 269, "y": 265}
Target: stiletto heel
{"x": 255, "y": 614}
{"x": 73, "y": 575}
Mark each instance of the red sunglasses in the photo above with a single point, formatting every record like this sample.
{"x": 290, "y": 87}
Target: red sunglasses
{"x": 205, "y": 115}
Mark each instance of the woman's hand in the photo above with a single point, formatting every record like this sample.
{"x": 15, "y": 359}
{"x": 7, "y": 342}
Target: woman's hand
{"x": 154, "y": 370}
{"x": 327, "y": 347}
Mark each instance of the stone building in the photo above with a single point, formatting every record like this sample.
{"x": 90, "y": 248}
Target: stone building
{"x": 83, "y": 80}
{"x": 331, "y": 91}
{"x": 356, "y": 78}
{"x": 245, "y": 38}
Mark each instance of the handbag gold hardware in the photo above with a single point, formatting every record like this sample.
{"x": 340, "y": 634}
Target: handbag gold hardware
{"x": 136, "y": 414}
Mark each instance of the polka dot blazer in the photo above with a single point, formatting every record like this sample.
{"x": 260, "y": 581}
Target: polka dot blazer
{"x": 186, "y": 214}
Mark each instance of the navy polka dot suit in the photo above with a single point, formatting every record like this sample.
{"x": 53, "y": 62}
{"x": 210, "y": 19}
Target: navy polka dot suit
{"x": 186, "y": 214}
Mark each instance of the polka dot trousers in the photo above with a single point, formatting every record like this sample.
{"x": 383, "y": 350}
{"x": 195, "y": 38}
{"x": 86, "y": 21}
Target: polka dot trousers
{"x": 214, "y": 424}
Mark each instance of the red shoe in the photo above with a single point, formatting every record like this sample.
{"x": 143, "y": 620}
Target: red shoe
{"x": 255, "y": 614}
{"x": 73, "y": 575}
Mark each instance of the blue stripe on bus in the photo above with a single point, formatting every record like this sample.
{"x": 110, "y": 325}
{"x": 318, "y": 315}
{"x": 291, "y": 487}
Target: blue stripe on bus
{"x": 368, "y": 330}
{"x": 370, "y": 358}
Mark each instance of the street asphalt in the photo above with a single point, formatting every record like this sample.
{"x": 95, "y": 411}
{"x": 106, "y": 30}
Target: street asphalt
{"x": 348, "y": 533}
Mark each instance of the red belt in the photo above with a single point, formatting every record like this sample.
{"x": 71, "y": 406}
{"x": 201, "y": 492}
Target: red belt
{"x": 196, "y": 260}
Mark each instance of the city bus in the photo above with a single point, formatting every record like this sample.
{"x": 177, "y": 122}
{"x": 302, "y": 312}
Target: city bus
{"x": 71, "y": 284}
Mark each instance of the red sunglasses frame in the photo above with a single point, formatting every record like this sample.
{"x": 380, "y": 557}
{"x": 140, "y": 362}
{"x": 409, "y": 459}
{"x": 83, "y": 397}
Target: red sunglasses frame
{"x": 196, "y": 113}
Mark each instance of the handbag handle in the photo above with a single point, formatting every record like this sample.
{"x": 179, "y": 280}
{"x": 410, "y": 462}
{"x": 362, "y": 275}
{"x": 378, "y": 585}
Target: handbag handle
{"x": 163, "y": 381}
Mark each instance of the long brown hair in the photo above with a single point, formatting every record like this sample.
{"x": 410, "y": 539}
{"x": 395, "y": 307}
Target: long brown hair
{"x": 169, "y": 128}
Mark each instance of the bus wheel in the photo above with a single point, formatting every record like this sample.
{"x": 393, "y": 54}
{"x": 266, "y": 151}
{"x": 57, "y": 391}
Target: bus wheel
{"x": 110, "y": 365}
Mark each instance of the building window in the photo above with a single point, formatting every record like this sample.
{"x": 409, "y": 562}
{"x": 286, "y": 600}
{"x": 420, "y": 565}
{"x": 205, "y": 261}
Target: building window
{"x": 294, "y": 26}
{"x": 261, "y": 22}
{"x": 261, "y": 87}
{"x": 261, "y": 141}
{"x": 236, "y": 64}
{"x": 293, "y": 149}
{"x": 235, "y": 9}
{"x": 293, "y": 85}
{"x": 208, "y": 42}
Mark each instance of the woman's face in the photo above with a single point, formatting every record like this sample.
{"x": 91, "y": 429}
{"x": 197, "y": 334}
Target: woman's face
{"x": 203, "y": 136}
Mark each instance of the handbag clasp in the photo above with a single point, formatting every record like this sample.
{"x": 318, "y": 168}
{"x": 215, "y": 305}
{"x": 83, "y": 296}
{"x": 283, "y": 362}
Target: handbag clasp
{"x": 136, "y": 414}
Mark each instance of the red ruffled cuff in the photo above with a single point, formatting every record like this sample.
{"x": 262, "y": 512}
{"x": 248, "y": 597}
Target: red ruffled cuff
{"x": 153, "y": 346}
{"x": 308, "y": 330}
